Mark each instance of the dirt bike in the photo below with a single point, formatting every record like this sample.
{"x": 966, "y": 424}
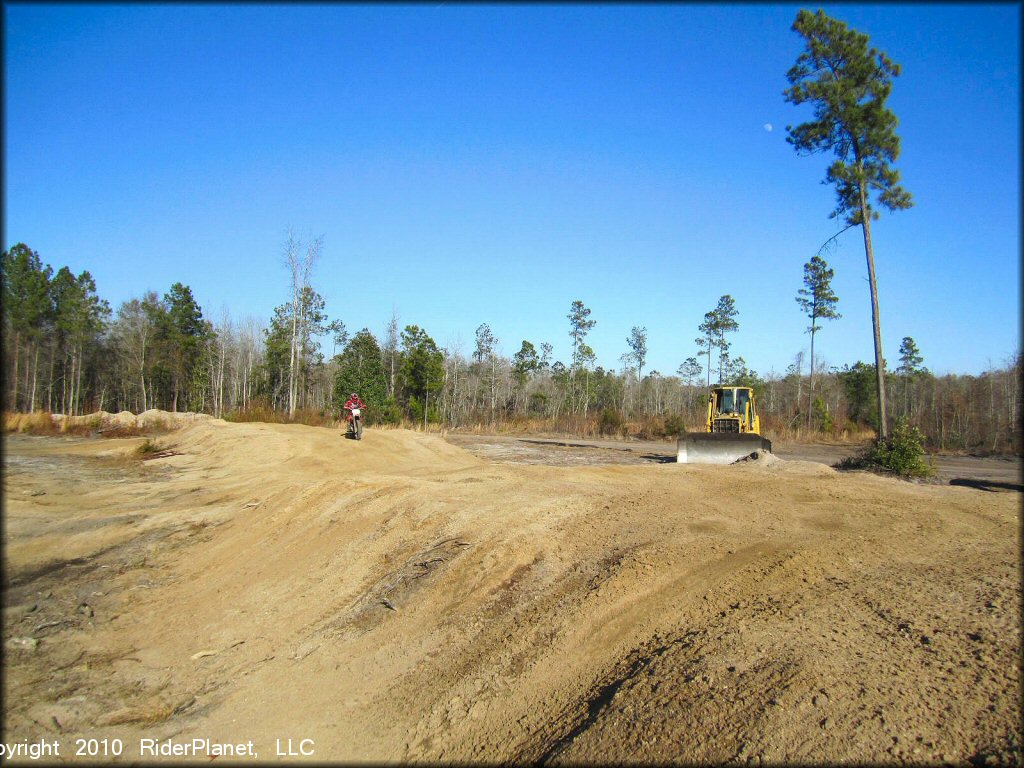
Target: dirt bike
{"x": 355, "y": 424}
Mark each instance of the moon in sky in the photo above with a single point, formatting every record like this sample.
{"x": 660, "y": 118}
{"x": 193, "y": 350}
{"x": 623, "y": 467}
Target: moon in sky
{"x": 768, "y": 127}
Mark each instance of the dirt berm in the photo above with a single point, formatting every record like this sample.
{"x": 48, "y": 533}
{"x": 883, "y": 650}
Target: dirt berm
{"x": 400, "y": 599}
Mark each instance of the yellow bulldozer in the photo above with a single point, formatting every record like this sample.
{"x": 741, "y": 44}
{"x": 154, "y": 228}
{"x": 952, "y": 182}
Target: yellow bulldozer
{"x": 732, "y": 430}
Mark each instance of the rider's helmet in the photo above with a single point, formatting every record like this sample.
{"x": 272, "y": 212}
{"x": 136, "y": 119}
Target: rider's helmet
{"x": 354, "y": 396}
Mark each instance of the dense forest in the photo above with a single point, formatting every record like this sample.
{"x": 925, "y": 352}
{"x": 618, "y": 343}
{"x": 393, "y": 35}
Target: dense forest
{"x": 67, "y": 351}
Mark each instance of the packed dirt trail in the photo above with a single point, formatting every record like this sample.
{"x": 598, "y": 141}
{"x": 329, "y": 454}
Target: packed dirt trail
{"x": 399, "y": 599}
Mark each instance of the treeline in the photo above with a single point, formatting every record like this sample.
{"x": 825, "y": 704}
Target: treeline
{"x": 65, "y": 350}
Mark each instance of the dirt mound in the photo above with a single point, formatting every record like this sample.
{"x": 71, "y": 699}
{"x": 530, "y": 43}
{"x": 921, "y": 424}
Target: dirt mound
{"x": 398, "y": 599}
{"x": 240, "y": 449}
{"x": 153, "y": 418}
{"x": 124, "y": 419}
{"x": 761, "y": 458}
{"x": 157, "y": 418}
{"x": 769, "y": 462}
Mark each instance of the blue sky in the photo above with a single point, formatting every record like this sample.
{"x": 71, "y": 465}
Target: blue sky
{"x": 472, "y": 164}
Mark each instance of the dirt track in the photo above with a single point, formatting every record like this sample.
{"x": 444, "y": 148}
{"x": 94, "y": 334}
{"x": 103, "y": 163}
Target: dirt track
{"x": 404, "y": 599}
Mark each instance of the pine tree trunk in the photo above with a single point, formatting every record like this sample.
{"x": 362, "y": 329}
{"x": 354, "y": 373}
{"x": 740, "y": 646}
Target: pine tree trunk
{"x": 78, "y": 380}
{"x": 292, "y": 356}
{"x": 76, "y": 364}
{"x": 65, "y": 403}
{"x": 27, "y": 384}
{"x": 49, "y": 389}
{"x": 810, "y": 383}
{"x": 494, "y": 387}
{"x": 455, "y": 384}
{"x": 799, "y": 383}
{"x": 73, "y": 396}
{"x": 35, "y": 378}
{"x": 247, "y": 384}
{"x": 17, "y": 354}
{"x": 883, "y": 430}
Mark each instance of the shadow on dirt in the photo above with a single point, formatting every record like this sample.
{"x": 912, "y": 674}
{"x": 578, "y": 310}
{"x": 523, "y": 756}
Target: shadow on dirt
{"x": 563, "y": 444}
{"x": 29, "y": 575}
{"x": 397, "y": 588}
{"x": 658, "y": 458}
{"x": 987, "y": 485}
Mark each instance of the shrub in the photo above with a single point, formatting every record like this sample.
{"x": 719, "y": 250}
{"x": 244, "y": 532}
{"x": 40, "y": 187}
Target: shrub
{"x": 610, "y": 422}
{"x": 821, "y": 415}
{"x": 416, "y": 412}
{"x": 902, "y": 453}
{"x": 675, "y": 425}
{"x": 389, "y": 413}
{"x": 148, "y": 448}
{"x": 538, "y": 403}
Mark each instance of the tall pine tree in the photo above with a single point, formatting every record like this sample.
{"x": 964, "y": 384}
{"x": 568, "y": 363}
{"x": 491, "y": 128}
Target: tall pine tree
{"x": 848, "y": 83}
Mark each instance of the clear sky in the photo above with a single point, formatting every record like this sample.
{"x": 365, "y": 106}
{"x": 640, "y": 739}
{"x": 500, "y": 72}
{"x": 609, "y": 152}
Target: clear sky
{"x": 472, "y": 164}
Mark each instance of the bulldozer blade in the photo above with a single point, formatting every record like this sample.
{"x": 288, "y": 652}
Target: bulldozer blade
{"x": 718, "y": 448}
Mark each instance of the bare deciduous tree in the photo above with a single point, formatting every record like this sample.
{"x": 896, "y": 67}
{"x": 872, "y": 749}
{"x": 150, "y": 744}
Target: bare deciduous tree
{"x": 300, "y": 265}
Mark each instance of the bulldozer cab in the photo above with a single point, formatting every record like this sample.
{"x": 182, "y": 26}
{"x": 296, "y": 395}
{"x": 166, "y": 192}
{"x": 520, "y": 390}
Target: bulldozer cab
{"x": 725, "y": 399}
{"x": 732, "y": 400}
{"x": 732, "y": 409}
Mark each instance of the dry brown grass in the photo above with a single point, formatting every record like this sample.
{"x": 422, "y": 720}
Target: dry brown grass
{"x": 262, "y": 412}
{"x": 413, "y": 426}
{"x": 43, "y": 423}
{"x": 79, "y": 428}
{"x": 256, "y": 412}
{"x": 851, "y": 434}
{"x": 36, "y": 423}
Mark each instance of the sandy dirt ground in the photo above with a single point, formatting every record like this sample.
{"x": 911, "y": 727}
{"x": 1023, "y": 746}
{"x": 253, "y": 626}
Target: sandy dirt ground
{"x": 281, "y": 589}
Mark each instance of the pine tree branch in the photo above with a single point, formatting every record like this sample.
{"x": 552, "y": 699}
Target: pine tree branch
{"x": 836, "y": 235}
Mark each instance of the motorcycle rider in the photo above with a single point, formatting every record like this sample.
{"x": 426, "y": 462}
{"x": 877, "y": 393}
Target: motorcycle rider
{"x": 353, "y": 402}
